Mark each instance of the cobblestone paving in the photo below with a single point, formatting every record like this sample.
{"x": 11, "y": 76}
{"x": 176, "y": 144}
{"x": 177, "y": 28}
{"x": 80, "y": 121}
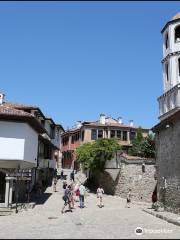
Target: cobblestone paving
{"x": 114, "y": 221}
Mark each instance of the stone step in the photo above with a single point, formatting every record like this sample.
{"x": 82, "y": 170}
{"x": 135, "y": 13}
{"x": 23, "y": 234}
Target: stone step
{"x": 5, "y": 211}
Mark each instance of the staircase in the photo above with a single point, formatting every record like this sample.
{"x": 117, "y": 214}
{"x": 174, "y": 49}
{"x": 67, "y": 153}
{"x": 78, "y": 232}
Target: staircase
{"x": 5, "y": 211}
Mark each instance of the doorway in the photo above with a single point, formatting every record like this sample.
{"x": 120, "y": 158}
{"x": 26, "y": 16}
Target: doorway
{"x": 2, "y": 187}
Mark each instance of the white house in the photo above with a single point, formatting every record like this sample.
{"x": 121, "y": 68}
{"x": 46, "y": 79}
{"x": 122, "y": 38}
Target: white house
{"x": 19, "y": 140}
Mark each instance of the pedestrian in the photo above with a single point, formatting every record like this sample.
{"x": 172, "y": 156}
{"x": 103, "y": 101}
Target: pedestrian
{"x": 154, "y": 197}
{"x": 72, "y": 176}
{"x": 62, "y": 174}
{"x": 54, "y": 184}
{"x": 72, "y": 195}
{"x": 64, "y": 184}
{"x": 66, "y": 197}
{"x": 129, "y": 196}
{"x": 77, "y": 193}
{"x": 100, "y": 192}
{"x": 82, "y": 191}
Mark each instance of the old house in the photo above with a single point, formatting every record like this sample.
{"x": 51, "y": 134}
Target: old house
{"x": 29, "y": 149}
{"x": 104, "y": 127}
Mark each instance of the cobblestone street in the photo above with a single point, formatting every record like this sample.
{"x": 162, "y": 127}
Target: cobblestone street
{"x": 112, "y": 221}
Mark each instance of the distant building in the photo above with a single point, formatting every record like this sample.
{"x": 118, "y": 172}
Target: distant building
{"x": 105, "y": 127}
{"x": 29, "y": 148}
{"x": 167, "y": 131}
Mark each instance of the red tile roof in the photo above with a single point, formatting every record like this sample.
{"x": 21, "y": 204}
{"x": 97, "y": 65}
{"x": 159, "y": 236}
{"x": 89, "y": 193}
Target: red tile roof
{"x": 19, "y": 106}
{"x": 9, "y": 113}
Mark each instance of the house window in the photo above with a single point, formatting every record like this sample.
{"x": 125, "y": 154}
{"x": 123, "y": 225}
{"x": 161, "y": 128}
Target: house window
{"x": 100, "y": 133}
{"x": 124, "y": 135}
{"x": 167, "y": 41}
{"x": 72, "y": 139}
{"x": 177, "y": 34}
{"x": 119, "y": 134}
{"x": 132, "y": 135}
{"x": 93, "y": 134}
{"x": 82, "y": 135}
{"x": 112, "y": 133}
{"x": 65, "y": 140}
{"x": 52, "y": 132}
{"x": 106, "y": 133}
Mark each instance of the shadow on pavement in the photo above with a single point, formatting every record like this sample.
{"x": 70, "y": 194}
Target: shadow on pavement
{"x": 40, "y": 198}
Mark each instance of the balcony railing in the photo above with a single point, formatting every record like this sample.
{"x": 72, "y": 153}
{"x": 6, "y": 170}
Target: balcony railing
{"x": 169, "y": 101}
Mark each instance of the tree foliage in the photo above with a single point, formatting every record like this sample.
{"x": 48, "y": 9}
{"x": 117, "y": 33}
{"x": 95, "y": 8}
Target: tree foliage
{"x": 94, "y": 155}
{"x": 143, "y": 146}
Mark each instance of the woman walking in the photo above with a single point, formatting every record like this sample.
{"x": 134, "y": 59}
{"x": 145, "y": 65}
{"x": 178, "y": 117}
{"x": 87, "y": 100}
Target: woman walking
{"x": 67, "y": 198}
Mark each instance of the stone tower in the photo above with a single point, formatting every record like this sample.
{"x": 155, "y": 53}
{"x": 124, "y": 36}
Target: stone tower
{"x": 169, "y": 102}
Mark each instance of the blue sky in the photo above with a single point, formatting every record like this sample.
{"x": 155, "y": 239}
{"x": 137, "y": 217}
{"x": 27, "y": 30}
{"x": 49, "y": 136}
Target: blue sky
{"x": 76, "y": 60}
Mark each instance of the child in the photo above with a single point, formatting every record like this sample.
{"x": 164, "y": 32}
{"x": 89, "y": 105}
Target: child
{"x": 129, "y": 196}
{"x": 100, "y": 192}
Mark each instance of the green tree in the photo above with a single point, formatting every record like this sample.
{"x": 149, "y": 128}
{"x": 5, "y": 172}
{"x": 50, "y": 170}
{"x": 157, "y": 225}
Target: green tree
{"x": 94, "y": 155}
{"x": 136, "y": 149}
{"x": 148, "y": 146}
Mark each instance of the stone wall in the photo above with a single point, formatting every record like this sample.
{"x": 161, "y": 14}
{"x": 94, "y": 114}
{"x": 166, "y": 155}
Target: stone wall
{"x": 129, "y": 175}
{"x": 141, "y": 183}
{"x": 168, "y": 166}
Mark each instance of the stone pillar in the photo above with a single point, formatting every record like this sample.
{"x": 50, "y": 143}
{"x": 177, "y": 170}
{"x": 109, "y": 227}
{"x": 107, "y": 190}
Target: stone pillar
{"x": 10, "y": 192}
{"x": 7, "y": 193}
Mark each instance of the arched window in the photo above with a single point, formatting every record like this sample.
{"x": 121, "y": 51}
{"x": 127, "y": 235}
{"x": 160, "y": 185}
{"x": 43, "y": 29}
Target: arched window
{"x": 177, "y": 34}
{"x": 166, "y": 41}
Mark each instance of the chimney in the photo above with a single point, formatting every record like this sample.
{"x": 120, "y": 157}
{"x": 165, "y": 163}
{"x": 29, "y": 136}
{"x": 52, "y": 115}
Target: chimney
{"x": 131, "y": 123}
{"x": 120, "y": 120}
{"x": 2, "y": 95}
{"x": 78, "y": 124}
{"x": 102, "y": 118}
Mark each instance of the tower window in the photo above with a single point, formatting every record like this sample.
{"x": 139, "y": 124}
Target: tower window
{"x": 167, "y": 41}
{"x": 177, "y": 34}
{"x": 179, "y": 66}
{"x": 167, "y": 72}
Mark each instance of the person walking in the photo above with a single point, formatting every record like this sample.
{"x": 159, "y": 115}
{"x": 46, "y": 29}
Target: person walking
{"x": 67, "y": 198}
{"x": 62, "y": 174}
{"x": 129, "y": 196}
{"x": 54, "y": 184}
{"x": 82, "y": 191}
{"x": 71, "y": 195}
{"x": 72, "y": 176}
{"x": 77, "y": 193}
{"x": 100, "y": 192}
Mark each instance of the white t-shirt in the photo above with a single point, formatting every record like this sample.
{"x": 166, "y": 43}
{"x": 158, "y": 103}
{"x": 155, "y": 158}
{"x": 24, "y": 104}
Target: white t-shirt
{"x": 100, "y": 192}
{"x": 82, "y": 190}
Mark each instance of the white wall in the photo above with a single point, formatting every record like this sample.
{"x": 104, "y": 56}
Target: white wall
{"x": 113, "y": 163}
{"x": 31, "y": 144}
{"x": 18, "y": 141}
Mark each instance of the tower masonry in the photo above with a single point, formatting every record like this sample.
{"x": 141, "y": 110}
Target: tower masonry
{"x": 169, "y": 101}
